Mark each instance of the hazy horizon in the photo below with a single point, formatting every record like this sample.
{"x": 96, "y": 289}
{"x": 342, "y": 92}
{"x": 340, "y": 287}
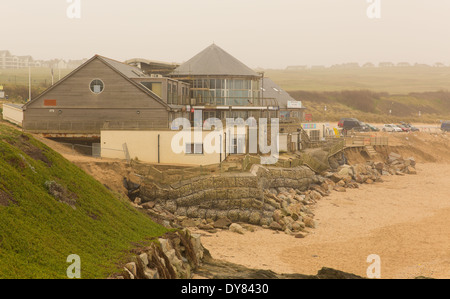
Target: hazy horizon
{"x": 261, "y": 33}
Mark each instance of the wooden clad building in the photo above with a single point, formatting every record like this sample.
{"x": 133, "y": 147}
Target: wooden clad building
{"x": 105, "y": 93}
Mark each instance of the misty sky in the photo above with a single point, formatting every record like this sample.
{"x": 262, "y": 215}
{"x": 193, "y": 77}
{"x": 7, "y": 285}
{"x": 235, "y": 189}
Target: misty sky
{"x": 260, "y": 33}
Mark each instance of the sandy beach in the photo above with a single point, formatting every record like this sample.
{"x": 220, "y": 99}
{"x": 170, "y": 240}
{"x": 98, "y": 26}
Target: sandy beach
{"x": 404, "y": 220}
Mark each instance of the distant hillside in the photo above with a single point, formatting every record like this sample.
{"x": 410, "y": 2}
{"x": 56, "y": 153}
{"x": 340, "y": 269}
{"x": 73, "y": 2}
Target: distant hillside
{"x": 50, "y": 209}
{"x": 393, "y": 80}
{"x": 375, "y": 106}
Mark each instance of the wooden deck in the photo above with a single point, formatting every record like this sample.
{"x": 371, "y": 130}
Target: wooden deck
{"x": 361, "y": 141}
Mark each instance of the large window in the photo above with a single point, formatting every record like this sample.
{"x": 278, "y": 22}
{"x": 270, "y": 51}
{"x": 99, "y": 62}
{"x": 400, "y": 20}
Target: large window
{"x": 156, "y": 87}
{"x": 172, "y": 93}
{"x": 229, "y": 92}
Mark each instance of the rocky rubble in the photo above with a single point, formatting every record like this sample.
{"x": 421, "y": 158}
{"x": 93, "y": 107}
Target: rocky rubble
{"x": 291, "y": 208}
{"x": 174, "y": 256}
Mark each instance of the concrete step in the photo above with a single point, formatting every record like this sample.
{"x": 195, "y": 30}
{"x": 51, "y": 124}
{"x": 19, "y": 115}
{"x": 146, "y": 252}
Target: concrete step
{"x": 370, "y": 150}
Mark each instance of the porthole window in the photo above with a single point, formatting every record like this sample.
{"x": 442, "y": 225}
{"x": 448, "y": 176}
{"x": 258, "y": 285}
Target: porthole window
{"x": 97, "y": 86}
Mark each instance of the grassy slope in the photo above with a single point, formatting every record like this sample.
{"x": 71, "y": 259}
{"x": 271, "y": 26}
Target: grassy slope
{"x": 38, "y": 233}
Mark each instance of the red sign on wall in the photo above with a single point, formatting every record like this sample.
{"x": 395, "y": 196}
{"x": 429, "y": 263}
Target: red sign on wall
{"x": 308, "y": 117}
{"x": 49, "y": 103}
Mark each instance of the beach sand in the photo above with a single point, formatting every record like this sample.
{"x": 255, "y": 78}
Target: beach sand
{"x": 405, "y": 220}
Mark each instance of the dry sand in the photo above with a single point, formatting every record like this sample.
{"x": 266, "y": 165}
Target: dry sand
{"x": 405, "y": 220}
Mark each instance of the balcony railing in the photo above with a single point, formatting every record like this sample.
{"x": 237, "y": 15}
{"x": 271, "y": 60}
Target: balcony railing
{"x": 237, "y": 101}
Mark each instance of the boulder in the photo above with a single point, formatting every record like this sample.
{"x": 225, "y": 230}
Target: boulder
{"x": 340, "y": 189}
{"x": 132, "y": 269}
{"x": 236, "y": 228}
{"x": 222, "y": 223}
{"x": 300, "y": 235}
{"x": 411, "y": 170}
{"x": 275, "y": 226}
{"x": 309, "y": 222}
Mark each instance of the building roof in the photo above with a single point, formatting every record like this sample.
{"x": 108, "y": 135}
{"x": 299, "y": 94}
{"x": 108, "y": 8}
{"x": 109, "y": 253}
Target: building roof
{"x": 272, "y": 90}
{"x": 214, "y": 61}
{"x": 125, "y": 69}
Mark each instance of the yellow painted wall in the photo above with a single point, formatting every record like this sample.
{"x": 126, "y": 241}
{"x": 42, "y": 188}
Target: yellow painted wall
{"x": 143, "y": 145}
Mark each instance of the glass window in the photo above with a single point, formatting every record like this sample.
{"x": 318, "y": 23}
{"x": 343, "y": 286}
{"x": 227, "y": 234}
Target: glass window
{"x": 156, "y": 87}
{"x": 97, "y": 86}
{"x": 194, "y": 148}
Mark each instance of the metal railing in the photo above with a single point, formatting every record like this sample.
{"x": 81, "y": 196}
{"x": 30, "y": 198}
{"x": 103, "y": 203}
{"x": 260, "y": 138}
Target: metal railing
{"x": 237, "y": 101}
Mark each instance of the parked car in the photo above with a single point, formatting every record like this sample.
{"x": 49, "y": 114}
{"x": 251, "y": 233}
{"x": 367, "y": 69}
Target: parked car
{"x": 341, "y": 122}
{"x": 411, "y": 127}
{"x": 404, "y": 128}
{"x": 354, "y": 124}
{"x": 391, "y": 128}
{"x": 371, "y": 128}
{"x": 445, "y": 126}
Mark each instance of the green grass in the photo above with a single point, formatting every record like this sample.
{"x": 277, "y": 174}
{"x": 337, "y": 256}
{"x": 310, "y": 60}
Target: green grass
{"x": 38, "y": 232}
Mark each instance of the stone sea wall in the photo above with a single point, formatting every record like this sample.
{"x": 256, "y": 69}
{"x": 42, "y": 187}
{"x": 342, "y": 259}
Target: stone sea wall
{"x": 239, "y": 197}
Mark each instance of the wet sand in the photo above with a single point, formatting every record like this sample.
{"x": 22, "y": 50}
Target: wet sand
{"x": 405, "y": 220}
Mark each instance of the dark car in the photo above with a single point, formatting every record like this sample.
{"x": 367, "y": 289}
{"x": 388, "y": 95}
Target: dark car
{"x": 341, "y": 122}
{"x": 354, "y": 124}
{"x": 371, "y": 128}
{"x": 446, "y": 126}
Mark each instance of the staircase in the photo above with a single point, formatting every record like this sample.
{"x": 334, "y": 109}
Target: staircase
{"x": 370, "y": 150}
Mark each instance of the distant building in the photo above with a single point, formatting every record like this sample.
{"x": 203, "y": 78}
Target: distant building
{"x": 439, "y": 64}
{"x": 9, "y": 61}
{"x": 348, "y": 65}
{"x": 296, "y": 67}
{"x": 403, "y": 64}
{"x": 368, "y": 64}
{"x": 386, "y": 64}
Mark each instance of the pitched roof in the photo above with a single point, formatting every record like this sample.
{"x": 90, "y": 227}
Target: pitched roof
{"x": 125, "y": 69}
{"x": 272, "y": 90}
{"x": 214, "y": 61}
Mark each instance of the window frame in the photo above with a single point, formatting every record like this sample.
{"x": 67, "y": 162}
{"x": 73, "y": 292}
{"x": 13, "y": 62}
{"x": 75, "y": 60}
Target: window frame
{"x": 90, "y": 85}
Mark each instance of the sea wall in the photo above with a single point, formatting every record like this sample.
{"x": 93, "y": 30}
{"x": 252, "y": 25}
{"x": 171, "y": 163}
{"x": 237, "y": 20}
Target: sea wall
{"x": 238, "y": 197}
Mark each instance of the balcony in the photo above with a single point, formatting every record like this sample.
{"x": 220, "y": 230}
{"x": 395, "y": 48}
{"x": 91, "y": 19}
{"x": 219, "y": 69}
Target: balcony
{"x": 236, "y": 101}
